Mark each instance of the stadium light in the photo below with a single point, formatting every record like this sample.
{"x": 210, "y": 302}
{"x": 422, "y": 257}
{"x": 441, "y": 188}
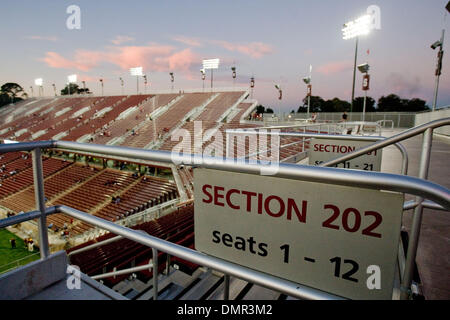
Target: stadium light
{"x": 145, "y": 83}
{"x": 54, "y": 88}
{"x": 438, "y": 44}
{"x": 84, "y": 86}
{"x": 121, "y": 84}
{"x": 354, "y": 29}
{"x": 211, "y": 64}
{"x": 39, "y": 82}
{"x": 32, "y": 93}
{"x": 233, "y": 74}
{"x": 137, "y": 71}
{"x": 101, "y": 82}
{"x": 202, "y": 71}
{"x": 364, "y": 68}
{"x": 307, "y": 81}
{"x": 172, "y": 79}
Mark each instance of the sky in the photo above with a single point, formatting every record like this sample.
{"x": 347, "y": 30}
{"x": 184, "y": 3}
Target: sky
{"x": 273, "y": 41}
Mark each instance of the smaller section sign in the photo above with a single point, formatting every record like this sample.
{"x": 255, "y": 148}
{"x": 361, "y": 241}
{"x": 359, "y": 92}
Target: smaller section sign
{"x": 322, "y": 150}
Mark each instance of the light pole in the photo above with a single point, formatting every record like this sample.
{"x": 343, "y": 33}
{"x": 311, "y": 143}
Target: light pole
{"x": 203, "y": 78}
{"x": 71, "y": 79}
{"x": 32, "y": 93}
{"x": 307, "y": 81}
{"x": 354, "y": 29}
{"x": 54, "y": 88}
{"x": 364, "y": 68}
{"x": 171, "y": 79}
{"x": 137, "y": 71}
{"x": 145, "y": 83}
{"x": 39, "y": 82}
{"x": 84, "y": 86}
{"x": 233, "y": 74}
{"x": 211, "y": 64}
{"x": 280, "y": 95}
{"x": 121, "y": 84}
{"x": 437, "y": 73}
{"x": 252, "y": 85}
{"x": 101, "y": 83}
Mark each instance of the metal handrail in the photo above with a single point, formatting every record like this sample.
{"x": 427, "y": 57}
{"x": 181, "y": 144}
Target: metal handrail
{"x": 371, "y": 180}
{"x": 388, "y": 141}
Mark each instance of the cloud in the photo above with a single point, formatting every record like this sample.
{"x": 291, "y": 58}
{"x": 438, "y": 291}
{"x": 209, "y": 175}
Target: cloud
{"x": 45, "y": 38}
{"x": 152, "y": 57}
{"x": 253, "y": 49}
{"x": 118, "y": 40}
{"x": 192, "y": 42}
{"x": 335, "y": 67}
{"x": 403, "y": 85}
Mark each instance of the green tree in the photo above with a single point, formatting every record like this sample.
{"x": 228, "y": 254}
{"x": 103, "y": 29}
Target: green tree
{"x": 391, "y": 102}
{"x": 74, "y": 89}
{"x": 415, "y": 105}
{"x": 269, "y": 110}
{"x": 315, "y": 103}
{"x": 358, "y": 104}
{"x": 11, "y": 92}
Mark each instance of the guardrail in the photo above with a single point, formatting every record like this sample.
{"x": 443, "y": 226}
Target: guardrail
{"x": 422, "y": 189}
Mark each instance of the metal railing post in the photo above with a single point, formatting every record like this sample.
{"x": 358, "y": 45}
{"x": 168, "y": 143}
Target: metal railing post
{"x": 226, "y": 290}
{"x": 417, "y": 217}
{"x": 155, "y": 273}
{"x": 39, "y": 197}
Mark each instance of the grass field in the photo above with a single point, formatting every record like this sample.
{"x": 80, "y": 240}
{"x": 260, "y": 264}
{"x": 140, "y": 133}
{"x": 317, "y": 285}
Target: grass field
{"x": 8, "y": 255}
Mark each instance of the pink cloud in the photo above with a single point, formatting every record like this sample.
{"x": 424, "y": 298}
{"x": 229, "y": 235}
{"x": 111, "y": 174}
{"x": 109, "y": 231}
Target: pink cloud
{"x": 46, "y": 38}
{"x": 82, "y": 62}
{"x": 252, "y": 49}
{"x": 192, "y": 42}
{"x": 152, "y": 57}
{"x": 335, "y": 67}
{"x": 118, "y": 40}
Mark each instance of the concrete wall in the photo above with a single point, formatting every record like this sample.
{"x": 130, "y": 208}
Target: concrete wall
{"x": 425, "y": 117}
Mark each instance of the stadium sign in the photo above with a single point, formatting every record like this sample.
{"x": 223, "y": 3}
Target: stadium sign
{"x": 322, "y": 150}
{"x": 314, "y": 234}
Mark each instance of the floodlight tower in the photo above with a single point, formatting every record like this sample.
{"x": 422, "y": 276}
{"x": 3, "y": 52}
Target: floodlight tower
{"x": 71, "y": 79}
{"x": 84, "y": 86}
{"x": 32, "y": 93}
{"x": 437, "y": 73}
{"x": 354, "y": 29}
{"x": 39, "y": 82}
{"x": 172, "y": 79}
{"x": 233, "y": 74}
{"x": 101, "y": 82}
{"x": 121, "y": 84}
{"x": 145, "y": 83}
{"x": 137, "y": 71}
{"x": 280, "y": 95}
{"x": 252, "y": 85}
{"x": 203, "y": 78}
{"x": 54, "y": 88}
{"x": 364, "y": 68}
{"x": 307, "y": 81}
{"x": 211, "y": 64}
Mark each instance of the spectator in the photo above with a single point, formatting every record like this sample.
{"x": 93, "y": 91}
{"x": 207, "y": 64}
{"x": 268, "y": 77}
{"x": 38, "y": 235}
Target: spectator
{"x": 13, "y": 243}
{"x": 344, "y": 116}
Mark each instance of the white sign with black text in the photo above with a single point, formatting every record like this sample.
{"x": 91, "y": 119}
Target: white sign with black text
{"x": 324, "y": 236}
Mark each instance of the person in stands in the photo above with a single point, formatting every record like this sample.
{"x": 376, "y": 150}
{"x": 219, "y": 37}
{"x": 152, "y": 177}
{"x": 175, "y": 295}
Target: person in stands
{"x": 344, "y": 116}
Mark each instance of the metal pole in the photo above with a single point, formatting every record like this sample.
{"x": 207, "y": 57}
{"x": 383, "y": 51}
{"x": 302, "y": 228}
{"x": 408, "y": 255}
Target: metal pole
{"x": 364, "y": 106}
{"x": 354, "y": 74}
{"x": 40, "y": 202}
{"x": 309, "y": 101}
{"x": 417, "y": 217}
{"x": 436, "y": 86}
{"x": 155, "y": 273}
{"x": 437, "y": 76}
{"x": 137, "y": 84}
{"x": 226, "y": 290}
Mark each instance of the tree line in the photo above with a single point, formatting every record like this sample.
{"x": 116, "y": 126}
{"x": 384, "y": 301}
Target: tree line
{"x": 11, "y": 92}
{"x": 389, "y": 103}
